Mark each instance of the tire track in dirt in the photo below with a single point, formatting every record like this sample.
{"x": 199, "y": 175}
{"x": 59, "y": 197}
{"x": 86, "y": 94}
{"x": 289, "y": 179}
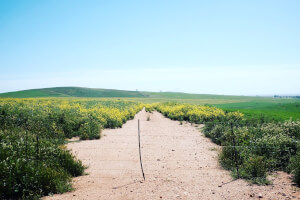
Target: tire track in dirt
{"x": 179, "y": 163}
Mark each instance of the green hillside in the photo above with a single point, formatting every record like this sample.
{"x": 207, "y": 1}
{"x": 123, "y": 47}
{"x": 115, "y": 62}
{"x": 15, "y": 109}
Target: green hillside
{"x": 72, "y": 92}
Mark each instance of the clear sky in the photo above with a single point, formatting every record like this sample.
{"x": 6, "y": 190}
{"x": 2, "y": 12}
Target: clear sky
{"x": 216, "y": 47}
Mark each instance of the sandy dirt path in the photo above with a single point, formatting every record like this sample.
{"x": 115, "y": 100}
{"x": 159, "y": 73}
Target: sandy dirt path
{"x": 179, "y": 163}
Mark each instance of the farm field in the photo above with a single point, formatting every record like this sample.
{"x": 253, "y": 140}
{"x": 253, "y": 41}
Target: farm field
{"x": 151, "y": 100}
{"x": 179, "y": 163}
{"x": 277, "y": 110}
{"x": 252, "y": 132}
{"x": 252, "y": 106}
{"x": 33, "y": 161}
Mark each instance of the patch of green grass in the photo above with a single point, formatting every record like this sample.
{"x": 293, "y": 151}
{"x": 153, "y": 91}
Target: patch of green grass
{"x": 179, "y": 95}
{"x": 252, "y": 107}
{"x": 275, "y": 110}
{"x": 188, "y": 101}
{"x": 71, "y": 92}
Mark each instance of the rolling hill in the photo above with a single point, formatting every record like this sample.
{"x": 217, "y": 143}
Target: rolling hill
{"x": 72, "y": 92}
{"x": 96, "y": 92}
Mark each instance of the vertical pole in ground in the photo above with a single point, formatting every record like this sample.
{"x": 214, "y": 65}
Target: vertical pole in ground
{"x": 235, "y": 150}
{"x": 140, "y": 150}
{"x": 26, "y": 135}
{"x": 37, "y": 151}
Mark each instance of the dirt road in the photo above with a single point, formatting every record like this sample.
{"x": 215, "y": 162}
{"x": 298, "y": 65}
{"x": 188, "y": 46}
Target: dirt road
{"x": 179, "y": 163}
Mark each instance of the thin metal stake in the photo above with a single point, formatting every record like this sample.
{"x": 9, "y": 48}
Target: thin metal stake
{"x": 235, "y": 150}
{"x": 26, "y": 132}
{"x": 140, "y": 150}
{"x": 37, "y": 151}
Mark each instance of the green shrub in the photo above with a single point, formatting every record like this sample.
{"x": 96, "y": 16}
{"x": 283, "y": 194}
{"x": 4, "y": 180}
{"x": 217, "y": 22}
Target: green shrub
{"x": 245, "y": 165}
{"x": 254, "y": 151}
{"x": 294, "y": 168}
{"x": 90, "y": 130}
{"x": 227, "y": 158}
{"x": 30, "y": 169}
{"x": 216, "y": 133}
{"x": 69, "y": 163}
{"x": 252, "y": 146}
{"x": 292, "y": 128}
{"x": 256, "y": 166}
{"x": 279, "y": 147}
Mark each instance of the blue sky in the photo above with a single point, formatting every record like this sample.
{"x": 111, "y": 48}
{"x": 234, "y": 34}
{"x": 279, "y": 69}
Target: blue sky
{"x": 217, "y": 47}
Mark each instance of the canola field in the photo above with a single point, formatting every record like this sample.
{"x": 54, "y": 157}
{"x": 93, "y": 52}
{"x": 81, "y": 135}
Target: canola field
{"x": 250, "y": 147}
{"x": 66, "y": 118}
{"x": 33, "y": 160}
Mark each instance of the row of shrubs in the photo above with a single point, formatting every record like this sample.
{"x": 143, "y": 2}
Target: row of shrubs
{"x": 251, "y": 149}
{"x": 31, "y": 167}
{"x": 61, "y": 118}
{"x": 256, "y": 150}
{"x": 33, "y": 159}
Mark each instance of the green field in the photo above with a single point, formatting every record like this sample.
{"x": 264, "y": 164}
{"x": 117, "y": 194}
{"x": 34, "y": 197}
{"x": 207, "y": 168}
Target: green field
{"x": 272, "y": 110}
{"x": 252, "y": 106}
{"x": 46, "y": 117}
{"x": 268, "y": 108}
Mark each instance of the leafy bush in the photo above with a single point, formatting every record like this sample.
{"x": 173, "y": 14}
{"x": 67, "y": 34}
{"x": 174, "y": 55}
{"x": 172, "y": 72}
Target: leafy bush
{"x": 150, "y": 107}
{"x": 251, "y": 147}
{"x": 279, "y": 147}
{"x": 292, "y": 128}
{"x": 256, "y": 166}
{"x": 31, "y": 168}
{"x": 65, "y": 118}
{"x": 294, "y": 168}
{"x": 192, "y": 113}
{"x": 90, "y": 130}
{"x": 230, "y": 158}
{"x": 216, "y": 133}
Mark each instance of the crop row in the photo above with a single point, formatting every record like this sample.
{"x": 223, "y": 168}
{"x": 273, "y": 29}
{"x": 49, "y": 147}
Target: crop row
{"x": 33, "y": 160}
{"x": 66, "y": 118}
{"x": 251, "y": 149}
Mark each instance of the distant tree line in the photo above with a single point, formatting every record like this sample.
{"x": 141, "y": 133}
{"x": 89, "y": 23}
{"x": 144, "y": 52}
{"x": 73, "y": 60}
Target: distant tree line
{"x": 286, "y": 97}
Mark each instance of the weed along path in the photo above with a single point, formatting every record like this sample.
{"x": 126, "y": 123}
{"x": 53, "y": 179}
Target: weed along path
{"x": 179, "y": 163}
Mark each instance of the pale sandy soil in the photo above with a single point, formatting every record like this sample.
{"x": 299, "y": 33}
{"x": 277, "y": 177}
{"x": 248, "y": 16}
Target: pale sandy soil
{"x": 179, "y": 163}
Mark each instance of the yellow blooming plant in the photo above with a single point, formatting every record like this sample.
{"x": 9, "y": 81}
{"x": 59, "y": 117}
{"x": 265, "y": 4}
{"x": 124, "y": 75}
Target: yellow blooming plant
{"x": 66, "y": 117}
{"x": 192, "y": 113}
